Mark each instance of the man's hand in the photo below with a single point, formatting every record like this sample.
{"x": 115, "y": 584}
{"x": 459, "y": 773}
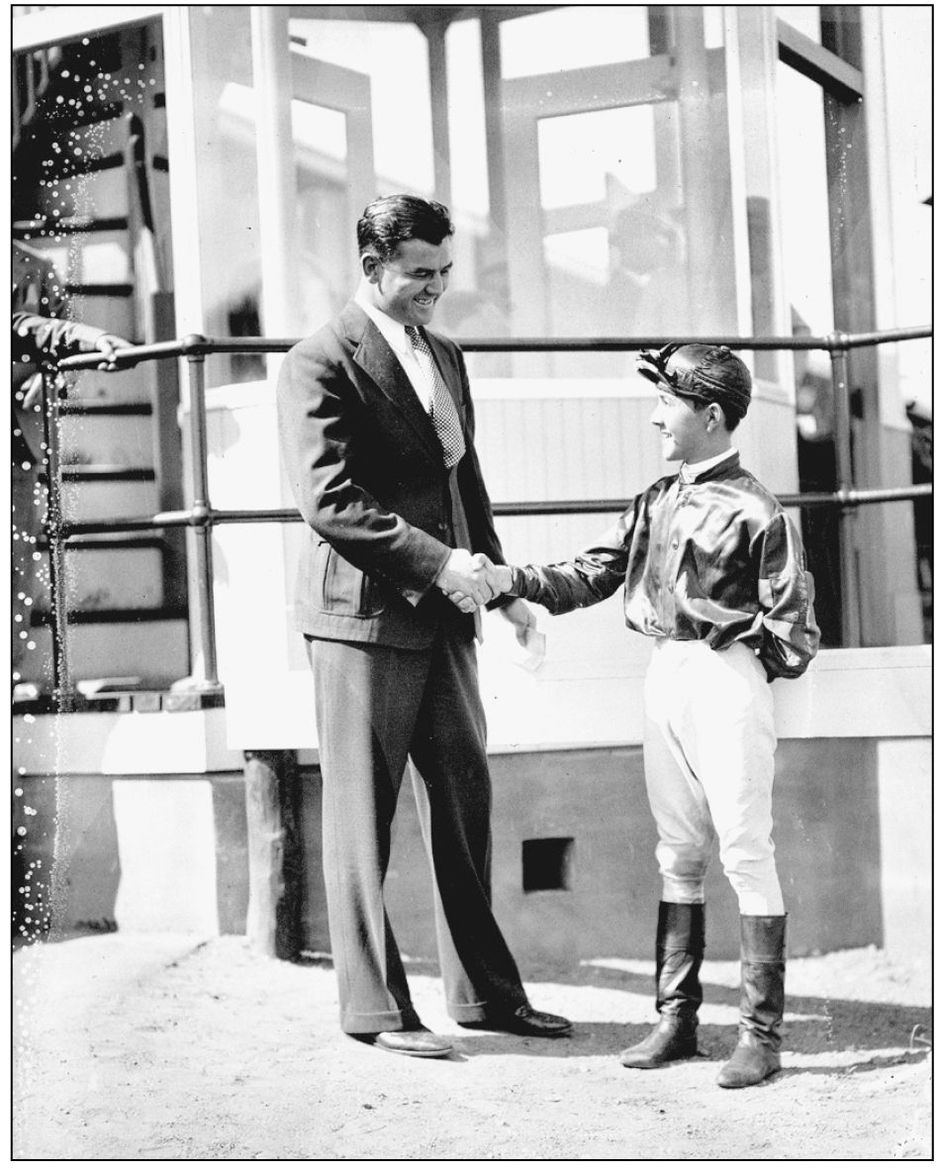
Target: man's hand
{"x": 91, "y": 340}
{"x": 499, "y": 579}
{"x": 31, "y": 390}
{"x": 107, "y": 344}
{"x": 466, "y": 579}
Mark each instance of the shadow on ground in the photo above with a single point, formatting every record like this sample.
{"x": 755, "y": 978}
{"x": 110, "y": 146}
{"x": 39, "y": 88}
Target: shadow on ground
{"x": 813, "y": 1025}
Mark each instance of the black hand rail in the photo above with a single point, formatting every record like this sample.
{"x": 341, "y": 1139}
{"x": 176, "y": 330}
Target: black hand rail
{"x": 195, "y": 344}
{"x": 202, "y": 517}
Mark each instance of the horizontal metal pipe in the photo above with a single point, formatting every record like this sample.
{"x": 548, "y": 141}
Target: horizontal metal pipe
{"x": 202, "y": 517}
{"x": 179, "y": 518}
{"x": 196, "y": 344}
{"x": 853, "y": 341}
{"x": 847, "y": 499}
{"x": 219, "y": 516}
{"x": 850, "y": 497}
{"x": 124, "y": 359}
{"x": 609, "y": 344}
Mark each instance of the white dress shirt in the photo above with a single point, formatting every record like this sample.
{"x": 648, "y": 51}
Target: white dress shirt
{"x": 419, "y": 375}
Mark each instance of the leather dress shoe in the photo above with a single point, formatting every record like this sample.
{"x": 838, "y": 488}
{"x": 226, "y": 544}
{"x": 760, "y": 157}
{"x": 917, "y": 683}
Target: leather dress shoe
{"x": 413, "y": 1043}
{"x": 524, "y": 1021}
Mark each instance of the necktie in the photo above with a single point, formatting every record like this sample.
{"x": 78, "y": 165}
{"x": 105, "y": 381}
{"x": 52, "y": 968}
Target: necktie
{"x": 442, "y": 410}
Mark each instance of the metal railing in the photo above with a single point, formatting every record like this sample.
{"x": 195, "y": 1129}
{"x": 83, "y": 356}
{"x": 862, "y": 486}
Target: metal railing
{"x": 202, "y": 517}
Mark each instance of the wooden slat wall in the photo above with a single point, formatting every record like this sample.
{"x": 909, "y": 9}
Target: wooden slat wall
{"x": 544, "y": 440}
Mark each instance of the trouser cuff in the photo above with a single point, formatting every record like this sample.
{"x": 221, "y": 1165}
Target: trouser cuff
{"x": 465, "y": 1014}
{"x": 379, "y": 1022}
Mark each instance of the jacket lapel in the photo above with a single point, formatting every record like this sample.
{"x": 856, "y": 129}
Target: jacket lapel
{"x": 376, "y": 357}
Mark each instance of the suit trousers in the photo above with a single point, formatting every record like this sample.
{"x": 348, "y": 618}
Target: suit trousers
{"x": 376, "y": 706}
{"x": 708, "y": 754}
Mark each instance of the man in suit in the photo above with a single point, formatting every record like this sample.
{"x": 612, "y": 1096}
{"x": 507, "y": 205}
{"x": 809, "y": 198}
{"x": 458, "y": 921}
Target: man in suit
{"x": 376, "y": 426}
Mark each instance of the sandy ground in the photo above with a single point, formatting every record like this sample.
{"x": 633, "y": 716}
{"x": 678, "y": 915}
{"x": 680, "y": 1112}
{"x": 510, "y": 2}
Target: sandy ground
{"x": 172, "y": 1047}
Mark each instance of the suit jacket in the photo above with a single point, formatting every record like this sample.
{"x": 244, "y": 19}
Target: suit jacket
{"x": 368, "y": 475}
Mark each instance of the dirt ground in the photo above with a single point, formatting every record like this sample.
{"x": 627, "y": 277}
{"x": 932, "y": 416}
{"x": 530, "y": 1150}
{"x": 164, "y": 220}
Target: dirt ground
{"x": 173, "y": 1047}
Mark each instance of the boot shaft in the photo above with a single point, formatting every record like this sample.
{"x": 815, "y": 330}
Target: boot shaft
{"x": 680, "y": 946}
{"x": 763, "y": 967}
{"x": 681, "y": 927}
{"x": 763, "y": 938}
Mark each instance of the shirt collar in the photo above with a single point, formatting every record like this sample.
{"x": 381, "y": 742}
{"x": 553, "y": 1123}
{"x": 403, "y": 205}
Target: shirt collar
{"x": 689, "y": 473}
{"x": 393, "y": 331}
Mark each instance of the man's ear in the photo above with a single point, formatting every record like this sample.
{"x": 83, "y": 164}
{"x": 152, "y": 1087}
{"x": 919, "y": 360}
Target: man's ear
{"x": 371, "y": 266}
{"x": 716, "y": 416}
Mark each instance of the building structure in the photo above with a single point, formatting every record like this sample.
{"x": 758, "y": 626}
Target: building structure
{"x": 617, "y": 171}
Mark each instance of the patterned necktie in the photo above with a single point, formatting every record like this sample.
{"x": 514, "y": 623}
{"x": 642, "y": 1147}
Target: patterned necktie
{"x": 442, "y": 410}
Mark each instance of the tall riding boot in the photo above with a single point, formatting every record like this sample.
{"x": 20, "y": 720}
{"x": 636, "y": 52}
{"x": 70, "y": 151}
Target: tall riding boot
{"x": 763, "y": 950}
{"x": 680, "y": 945}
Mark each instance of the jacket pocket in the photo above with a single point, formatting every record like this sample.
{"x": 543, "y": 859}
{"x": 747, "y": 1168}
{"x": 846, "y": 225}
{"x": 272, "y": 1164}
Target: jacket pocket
{"x": 344, "y": 589}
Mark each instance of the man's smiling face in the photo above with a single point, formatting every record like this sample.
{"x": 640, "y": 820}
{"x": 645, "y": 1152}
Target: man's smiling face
{"x": 408, "y": 286}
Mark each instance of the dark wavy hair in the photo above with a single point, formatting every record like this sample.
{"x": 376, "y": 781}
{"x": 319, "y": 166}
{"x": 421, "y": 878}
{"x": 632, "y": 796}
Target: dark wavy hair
{"x": 393, "y": 219}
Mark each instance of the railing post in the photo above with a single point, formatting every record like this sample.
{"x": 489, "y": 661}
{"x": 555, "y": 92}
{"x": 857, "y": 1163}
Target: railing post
{"x": 275, "y": 853}
{"x": 204, "y": 668}
{"x": 842, "y": 429}
{"x": 61, "y": 673}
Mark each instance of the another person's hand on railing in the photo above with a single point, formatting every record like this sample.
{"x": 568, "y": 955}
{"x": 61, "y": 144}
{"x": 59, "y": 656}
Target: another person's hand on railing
{"x": 108, "y": 344}
{"x": 71, "y": 336}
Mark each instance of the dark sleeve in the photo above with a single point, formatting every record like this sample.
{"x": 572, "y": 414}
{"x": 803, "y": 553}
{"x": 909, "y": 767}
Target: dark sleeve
{"x": 592, "y": 576}
{"x": 316, "y": 420}
{"x": 37, "y": 339}
{"x": 790, "y": 636}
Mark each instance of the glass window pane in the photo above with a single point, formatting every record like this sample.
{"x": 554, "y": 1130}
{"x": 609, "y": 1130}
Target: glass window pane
{"x": 583, "y": 156}
{"x": 613, "y": 244}
{"x": 605, "y": 184}
{"x": 574, "y": 37}
{"x": 714, "y": 26}
{"x": 395, "y": 59}
{"x": 355, "y": 84}
{"x": 804, "y": 208}
{"x": 465, "y": 112}
{"x": 227, "y": 184}
{"x": 583, "y": 254}
{"x": 805, "y": 18}
{"x": 325, "y": 255}
{"x": 804, "y": 201}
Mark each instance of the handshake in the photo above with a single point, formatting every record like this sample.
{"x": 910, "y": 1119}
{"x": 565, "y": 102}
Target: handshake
{"x": 470, "y": 580}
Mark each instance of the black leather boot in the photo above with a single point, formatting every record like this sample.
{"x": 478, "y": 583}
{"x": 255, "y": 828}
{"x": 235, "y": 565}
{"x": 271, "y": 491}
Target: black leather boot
{"x": 680, "y": 945}
{"x": 763, "y": 951}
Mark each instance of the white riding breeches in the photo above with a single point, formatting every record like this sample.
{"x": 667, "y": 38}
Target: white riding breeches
{"x": 709, "y": 760}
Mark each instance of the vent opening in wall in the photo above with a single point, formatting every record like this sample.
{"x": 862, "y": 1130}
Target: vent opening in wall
{"x": 546, "y": 864}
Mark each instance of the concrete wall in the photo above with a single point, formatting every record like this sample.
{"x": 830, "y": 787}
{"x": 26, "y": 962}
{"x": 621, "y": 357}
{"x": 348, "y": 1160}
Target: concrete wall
{"x": 168, "y": 853}
{"x": 828, "y": 840}
{"x": 137, "y": 819}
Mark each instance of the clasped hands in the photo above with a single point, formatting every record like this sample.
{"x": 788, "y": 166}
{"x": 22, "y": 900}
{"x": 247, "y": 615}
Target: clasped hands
{"x": 470, "y": 580}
